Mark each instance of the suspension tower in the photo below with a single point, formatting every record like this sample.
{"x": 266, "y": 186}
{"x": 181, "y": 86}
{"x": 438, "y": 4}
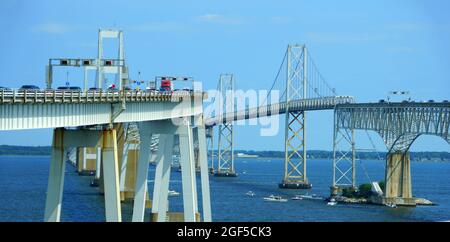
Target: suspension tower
{"x": 225, "y": 166}
{"x": 295, "y": 128}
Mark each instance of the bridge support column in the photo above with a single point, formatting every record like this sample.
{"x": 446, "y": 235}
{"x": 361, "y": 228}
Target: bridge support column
{"x": 295, "y": 153}
{"x": 225, "y": 167}
{"x": 161, "y": 193}
{"x": 167, "y": 130}
{"x": 344, "y": 157}
{"x": 64, "y": 139}
{"x": 86, "y": 161}
{"x": 203, "y": 161}
{"x": 111, "y": 176}
{"x": 142, "y": 173}
{"x": 128, "y": 171}
{"x": 398, "y": 179}
{"x": 98, "y": 160}
{"x": 190, "y": 205}
{"x": 56, "y": 179}
{"x": 159, "y": 160}
{"x": 210, "y": 146}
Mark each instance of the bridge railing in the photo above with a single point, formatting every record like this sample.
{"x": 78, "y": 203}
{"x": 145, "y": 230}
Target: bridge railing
{"x": 92, "y": 96}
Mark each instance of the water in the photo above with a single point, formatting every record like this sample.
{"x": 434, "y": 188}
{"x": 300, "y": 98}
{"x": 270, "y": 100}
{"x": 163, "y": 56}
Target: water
{"x": 23, "y": 184}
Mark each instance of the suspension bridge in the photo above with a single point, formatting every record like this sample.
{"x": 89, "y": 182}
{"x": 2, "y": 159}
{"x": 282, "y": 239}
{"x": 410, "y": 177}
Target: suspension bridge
{"x": 129, "y": 128}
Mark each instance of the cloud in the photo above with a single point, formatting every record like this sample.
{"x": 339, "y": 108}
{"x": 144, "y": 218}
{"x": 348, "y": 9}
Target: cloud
{"x": 342, "y": 38}
{"x": 219, "y": 19}
{"x": 52, "y": 28}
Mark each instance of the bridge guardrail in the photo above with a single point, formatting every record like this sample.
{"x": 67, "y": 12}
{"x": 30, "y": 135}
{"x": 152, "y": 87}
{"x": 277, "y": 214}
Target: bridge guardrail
{"x": 59, "y": 96}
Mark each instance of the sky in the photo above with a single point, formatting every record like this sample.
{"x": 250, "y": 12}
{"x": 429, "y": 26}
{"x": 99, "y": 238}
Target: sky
{"x": 363, "y": 49}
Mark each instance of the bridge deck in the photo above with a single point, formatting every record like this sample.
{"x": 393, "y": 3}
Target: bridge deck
{"x": 324, "y": 103}
{"x": 53, "y": 109}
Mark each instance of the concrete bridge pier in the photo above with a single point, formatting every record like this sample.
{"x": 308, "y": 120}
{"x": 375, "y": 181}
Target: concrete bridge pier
{"x": 128, "y": 161}
{"x": 398, "y": 179}
{"x": 63, "y": 139}
{"x": 86, "y": 160}
{"x": 167, "y": 131}
{"x": 98, "y": 160}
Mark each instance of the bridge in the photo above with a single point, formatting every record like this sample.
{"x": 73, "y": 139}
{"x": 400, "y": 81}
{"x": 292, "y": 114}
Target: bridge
{"x": 126, "y": 129}
{"x": 399, "y": 125}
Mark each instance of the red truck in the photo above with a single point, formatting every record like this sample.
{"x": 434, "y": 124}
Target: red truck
{"x": 166, "y": 85}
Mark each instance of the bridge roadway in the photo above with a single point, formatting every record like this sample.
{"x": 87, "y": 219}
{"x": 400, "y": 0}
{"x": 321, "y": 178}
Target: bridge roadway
{"x": 54, "y": 109}
{"x": 312, "y": 104}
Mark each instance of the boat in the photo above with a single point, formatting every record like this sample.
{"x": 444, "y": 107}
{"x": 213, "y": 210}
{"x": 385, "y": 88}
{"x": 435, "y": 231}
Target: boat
{"x": 311, "y": 197}
{"x": 297, "y": 197}
{"x": 332, "y": 202}
{"x": 250, "y": 194}
{"x": 173, "y": 193}
{"x": 273, "y": 198}
{"x": 391, "y": 205}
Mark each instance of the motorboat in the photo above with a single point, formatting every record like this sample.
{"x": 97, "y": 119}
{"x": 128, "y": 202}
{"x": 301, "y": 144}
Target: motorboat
{"x": 391, "y": 205}
{"x": 273, "y": 198}
{"x": 312, "y": 197}
{"x": 250, "y": 194}
{"x": 332, "y": 202}
{"x": 297, "y": 197}
{"x": 173, "y": 193}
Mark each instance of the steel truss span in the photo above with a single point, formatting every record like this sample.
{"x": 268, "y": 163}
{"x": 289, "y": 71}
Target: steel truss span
{"x": 398, "y": 124}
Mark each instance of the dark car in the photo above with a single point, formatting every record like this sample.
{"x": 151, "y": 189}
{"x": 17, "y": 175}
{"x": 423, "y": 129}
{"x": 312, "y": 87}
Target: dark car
{"x": 165, "y": 90}
{"x": 431, "y": 101}
{"x": 112, "y": 89}
{"x": 445, "y": 101}
{"x": 29, "y": 88}
{"x": 68, "y": 89}
{"x": 150, "y": 89}
{"x": 75, "y": 89}
{"x": 382, "y": 101}
{"x": 96, "y": 89}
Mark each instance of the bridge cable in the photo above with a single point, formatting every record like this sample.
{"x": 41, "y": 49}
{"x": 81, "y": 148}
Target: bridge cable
{"x": 276, "y": 77}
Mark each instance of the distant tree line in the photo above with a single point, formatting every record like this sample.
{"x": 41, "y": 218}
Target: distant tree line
{"x": 366, "y": 155}
{"x": 24, "y": 150}
{"x": 311, "y": 154}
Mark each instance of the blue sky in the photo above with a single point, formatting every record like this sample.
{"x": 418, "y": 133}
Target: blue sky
{"x": 362, "y": 48}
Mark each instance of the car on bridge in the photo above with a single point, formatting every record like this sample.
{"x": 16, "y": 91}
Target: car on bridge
{"x": 75, "y": 89}
{"x": 29, "y": 88}
{"x": 68, "y": 89}
{"x": 94, "y": 89}
{"x": 5, "y": 89}
{"x": 382, "y": 101}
